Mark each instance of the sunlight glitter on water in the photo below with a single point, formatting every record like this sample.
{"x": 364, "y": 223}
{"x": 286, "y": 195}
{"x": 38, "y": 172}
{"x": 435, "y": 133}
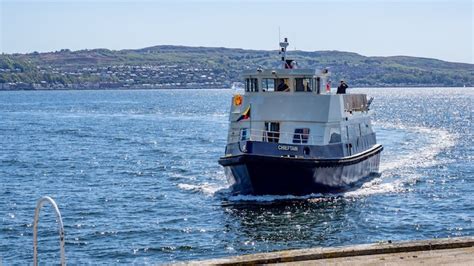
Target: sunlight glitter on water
{"x": 137, "y": 181}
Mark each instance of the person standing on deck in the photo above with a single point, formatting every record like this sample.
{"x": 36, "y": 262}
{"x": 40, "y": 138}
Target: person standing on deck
{"x": 342, "y": 88}
{"x": 282, "y": 86}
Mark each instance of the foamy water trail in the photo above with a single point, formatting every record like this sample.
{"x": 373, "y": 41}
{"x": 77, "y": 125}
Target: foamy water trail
{"x": 270, "y": 198}
{"x": 398, "y": 166}
{"x": 206, "y": 188}
{"x": 424, "y": 150}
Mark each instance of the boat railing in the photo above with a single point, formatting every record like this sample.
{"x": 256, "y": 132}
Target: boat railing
{"x": 273, "y": 136}
{"x": 355, "y": 103}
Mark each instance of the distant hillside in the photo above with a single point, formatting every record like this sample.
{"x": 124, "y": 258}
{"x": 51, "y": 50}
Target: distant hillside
{"x": 203, "y": 67}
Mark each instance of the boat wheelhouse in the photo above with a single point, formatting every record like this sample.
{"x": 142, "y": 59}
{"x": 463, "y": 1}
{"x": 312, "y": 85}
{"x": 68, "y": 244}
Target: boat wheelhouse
{"x": 289, "y": 134}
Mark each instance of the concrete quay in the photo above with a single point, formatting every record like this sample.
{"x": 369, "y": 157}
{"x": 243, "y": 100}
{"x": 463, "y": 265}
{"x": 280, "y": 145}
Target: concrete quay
{"x": 445, "y": 251}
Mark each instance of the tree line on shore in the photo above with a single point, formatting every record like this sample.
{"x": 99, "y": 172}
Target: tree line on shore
{"x": 179, "y": 66}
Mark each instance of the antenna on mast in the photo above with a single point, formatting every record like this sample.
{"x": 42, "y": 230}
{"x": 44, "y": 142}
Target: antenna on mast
{"x": 279, "y": 38}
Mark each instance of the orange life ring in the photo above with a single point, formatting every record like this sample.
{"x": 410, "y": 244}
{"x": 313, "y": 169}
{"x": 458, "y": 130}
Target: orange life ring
{"x": 238, "y": 100}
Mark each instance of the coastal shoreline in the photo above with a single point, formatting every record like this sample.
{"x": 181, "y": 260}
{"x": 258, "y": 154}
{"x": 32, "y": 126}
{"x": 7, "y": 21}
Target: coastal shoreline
{"x": 214, "y": 88}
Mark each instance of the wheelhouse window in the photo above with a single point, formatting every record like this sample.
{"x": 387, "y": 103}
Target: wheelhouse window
{"x": 272, "y": 132}
{"x": 244, "y": 134}
{"x": 251, "y": 85}
{"x": 301, "y": 135}
{"x": 268, "y": 84}
{"x": 303, "y": 84}
{"x": 282, "y": 85}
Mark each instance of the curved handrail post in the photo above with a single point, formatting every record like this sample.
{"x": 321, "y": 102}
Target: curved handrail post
{"x": 39, "y": 205}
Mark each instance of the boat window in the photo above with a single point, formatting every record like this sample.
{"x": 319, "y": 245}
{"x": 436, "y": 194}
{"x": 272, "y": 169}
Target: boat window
{"x": 301, "y": 135}
{"x": 318, "y": 85}
{"x": 282, "y": 85}
{"x": 251, "y": 85}
{"x": 244, "y": 134}
{"x": 272, "y": 132}
{"x": 268, "y": 84}
{"x": 335, "y": 135}
{"x": 303, "y": 84}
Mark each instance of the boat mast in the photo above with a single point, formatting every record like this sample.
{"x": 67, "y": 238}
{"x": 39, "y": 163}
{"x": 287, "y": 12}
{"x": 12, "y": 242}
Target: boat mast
{"x": 283, "y": 46}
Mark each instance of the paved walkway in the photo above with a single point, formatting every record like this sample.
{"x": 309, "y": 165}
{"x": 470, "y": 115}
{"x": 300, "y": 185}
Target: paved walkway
{"x": 457, "y": 256}
{"x": 446, "y": 251}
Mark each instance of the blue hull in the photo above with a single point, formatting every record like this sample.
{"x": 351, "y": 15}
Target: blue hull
{"x": 271, "y": 175}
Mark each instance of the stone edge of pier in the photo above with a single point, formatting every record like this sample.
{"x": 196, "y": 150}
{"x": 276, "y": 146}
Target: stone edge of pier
{"x": 340, "y": 252}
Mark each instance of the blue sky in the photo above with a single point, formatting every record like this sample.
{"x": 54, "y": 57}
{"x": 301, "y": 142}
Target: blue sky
{"x": 435, "y": 29}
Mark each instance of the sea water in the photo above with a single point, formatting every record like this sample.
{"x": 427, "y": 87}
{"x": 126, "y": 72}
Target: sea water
{"x": 136, "y": 178}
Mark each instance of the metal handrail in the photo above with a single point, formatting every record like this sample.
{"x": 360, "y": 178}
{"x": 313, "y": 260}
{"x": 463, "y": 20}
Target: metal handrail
{"x": 263, "y": 135}
{"x": 39, "y": 205}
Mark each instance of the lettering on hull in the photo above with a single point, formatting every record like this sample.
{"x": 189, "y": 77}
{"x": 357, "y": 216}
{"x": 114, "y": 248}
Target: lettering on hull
{"x": 287, "y": 148}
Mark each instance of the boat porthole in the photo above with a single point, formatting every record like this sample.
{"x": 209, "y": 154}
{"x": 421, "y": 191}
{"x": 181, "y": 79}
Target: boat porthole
{"x": 306, "y": 151}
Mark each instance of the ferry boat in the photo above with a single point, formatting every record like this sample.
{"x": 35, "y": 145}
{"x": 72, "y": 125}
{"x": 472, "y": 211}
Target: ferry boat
{"x": 290, "y": 135}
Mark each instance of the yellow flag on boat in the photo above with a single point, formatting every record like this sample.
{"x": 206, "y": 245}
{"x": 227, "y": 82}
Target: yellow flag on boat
{"x": 245, "y": 114}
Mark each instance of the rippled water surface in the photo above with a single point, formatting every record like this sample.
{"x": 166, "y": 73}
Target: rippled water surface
{"x": 136, "y": 178}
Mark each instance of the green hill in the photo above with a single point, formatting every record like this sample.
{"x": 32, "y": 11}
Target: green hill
{"x": 204, "y": 67}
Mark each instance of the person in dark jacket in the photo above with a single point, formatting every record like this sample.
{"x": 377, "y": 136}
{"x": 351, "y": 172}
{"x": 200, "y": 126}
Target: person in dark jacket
{"x": 282, "y": 86}
{"x": 342, "y": 88}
